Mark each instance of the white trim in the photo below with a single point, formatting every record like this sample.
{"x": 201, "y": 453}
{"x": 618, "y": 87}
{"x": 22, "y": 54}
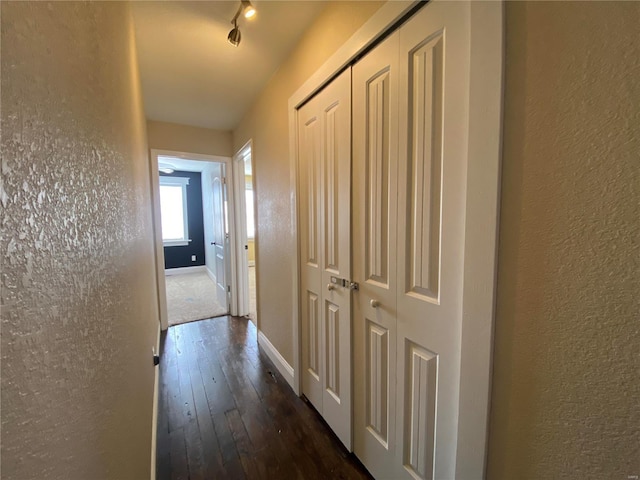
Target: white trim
{"x": 154, "y": 414}
{"x": 181, "y": 182}
{"x": 230, "y": 265}
{"x": 239, "y": 159}
{"x": 161, "y": 285}
{"x": 189, "y": 156}
{"x": 481, "y": 234}
{"x": 176, "y": 243}
{"x": 155, "y": 192}
{"x": 211, "y": 274}
{"x": 278, "y": 360}
{"x": 167, "y": 180}
{"x": 382, "y": 20}
{"x": 181, "y": 270}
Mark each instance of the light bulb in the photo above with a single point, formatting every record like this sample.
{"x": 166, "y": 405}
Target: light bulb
{"x": 247, "y": 9}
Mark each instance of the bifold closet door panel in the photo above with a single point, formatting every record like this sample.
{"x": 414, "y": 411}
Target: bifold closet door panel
{"x": 410, "y": 122}
{"x": 324, "y": 138}
{"x": 434, "y": 122}
{"x": 309, "y": 201}
{"x": 375, "y": 197}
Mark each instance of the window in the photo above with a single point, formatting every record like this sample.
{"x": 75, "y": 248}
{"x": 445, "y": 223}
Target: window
{"x": 173, "y": 208}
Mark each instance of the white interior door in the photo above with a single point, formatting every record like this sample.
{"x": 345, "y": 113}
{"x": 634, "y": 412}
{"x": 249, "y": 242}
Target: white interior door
{"x": 408, "y": 322}
{"x": 220, "y": 234}
{"x": 242, "y": 247}
{"x": 325, "y": 295}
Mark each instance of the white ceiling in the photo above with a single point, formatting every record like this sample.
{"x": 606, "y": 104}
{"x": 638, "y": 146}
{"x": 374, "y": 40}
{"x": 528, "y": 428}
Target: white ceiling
{"x": 190, "y": 73}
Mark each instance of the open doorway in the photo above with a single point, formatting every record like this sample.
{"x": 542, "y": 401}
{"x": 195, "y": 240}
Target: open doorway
{"x": 193, "y": 247}
{"x": 247, "y": 233}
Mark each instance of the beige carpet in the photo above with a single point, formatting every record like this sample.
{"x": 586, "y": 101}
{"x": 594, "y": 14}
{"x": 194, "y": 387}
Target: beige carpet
{"x": 191, "y": 296}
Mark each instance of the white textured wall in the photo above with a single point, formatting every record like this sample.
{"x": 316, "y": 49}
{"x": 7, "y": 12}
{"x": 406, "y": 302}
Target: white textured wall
{"x": 566, "y": 387}
{"x": 267, "y": 125}
{"x": 79, "y": 305}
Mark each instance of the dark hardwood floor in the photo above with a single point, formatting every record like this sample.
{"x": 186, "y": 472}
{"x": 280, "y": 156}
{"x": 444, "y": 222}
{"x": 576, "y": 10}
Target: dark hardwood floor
{"x": 226, "y": 412}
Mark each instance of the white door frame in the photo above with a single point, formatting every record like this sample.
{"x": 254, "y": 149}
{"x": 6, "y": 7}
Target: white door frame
{"x": 157, "y": 222}
{"x": 481, "y": 223}
{"x": 240, "y": 220}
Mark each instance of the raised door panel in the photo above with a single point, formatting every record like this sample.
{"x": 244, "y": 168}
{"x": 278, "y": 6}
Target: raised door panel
{"x": 331, "y": 189}
{"x": 377, "y": 382}
{"x": 314, "y": 345}
{"x": 310, "y": 155}
{"x": 377, "y": 178}
{"x": 375, "y": 149}
{"x": 332, "y": 350}
{"x": 420, "y": 410}
{"x": 424, "y": 177}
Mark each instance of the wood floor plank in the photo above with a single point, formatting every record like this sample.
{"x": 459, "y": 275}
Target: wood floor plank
{"x": 212, "y": 459}
{"x": 195, "y": 454}
{"x": 226, "y": 412}
{"x": 179, "y": 463}
{"x": 171, "y": 381}
{"x": 219, "y": 394}
{"x": 243, "y": 445}
{"x": 225, "y": 438}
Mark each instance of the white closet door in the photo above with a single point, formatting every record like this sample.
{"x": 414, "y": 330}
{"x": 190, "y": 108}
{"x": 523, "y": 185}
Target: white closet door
{"x": 375, "y": 198}
{"x": 408, "y": 317}
{"x": 324, "y": 138}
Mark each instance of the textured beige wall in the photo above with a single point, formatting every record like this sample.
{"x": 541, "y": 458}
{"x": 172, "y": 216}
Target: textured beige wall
{"x": 267, "y": 125}
{"x": 79, "y": 306}
{"x": 566, "y": 387}
{"x": 186, "y": 138}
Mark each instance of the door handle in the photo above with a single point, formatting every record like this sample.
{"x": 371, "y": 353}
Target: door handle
{"x": 374, "y": 303}
{"x": 331, "y": 286}
{"x": 213, "y": 243}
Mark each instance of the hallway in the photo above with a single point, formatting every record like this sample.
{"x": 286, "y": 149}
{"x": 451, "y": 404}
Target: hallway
{"x": 225, "y": 412}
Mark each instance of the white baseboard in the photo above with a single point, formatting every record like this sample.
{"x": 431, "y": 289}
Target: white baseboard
{"x": 181, "y": 270}
{"x": 278, "y": 360}
{"x": 210, "y": 273}
{"x": 154, "y": 415}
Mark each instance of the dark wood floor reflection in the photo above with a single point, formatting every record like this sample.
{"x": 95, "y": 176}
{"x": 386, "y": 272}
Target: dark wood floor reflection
{"x": 225, "y": 412}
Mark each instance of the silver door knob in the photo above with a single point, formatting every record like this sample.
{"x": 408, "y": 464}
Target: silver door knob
{"x": 331, "y": 286}
{"x": 374, "y": 303}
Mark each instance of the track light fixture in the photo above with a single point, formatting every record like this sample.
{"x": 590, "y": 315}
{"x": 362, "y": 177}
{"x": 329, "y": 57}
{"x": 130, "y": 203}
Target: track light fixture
{"x": 248, "y": 11}
{"x": 234, "y": 35}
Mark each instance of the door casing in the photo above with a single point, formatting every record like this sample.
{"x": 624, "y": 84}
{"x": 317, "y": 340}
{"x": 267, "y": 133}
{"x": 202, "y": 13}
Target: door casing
{"x": 481, "y": 211}
{"x": 241, "y": 261}
{"x": 157, "y": 223}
